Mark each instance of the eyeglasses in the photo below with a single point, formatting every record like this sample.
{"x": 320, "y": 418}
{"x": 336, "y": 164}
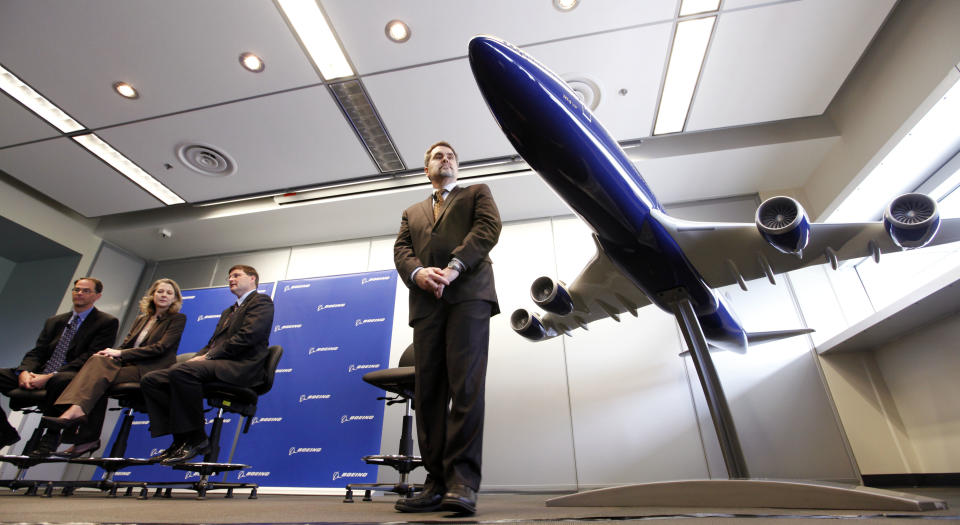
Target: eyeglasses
{"x": 82, "y": 290}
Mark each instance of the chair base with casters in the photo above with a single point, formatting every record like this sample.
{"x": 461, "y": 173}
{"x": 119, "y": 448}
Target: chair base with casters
{"x": 225, "y": 397}
{"x": 399, "y": 381}
{"x": 25, "y": 401}
{"x": 130, "y": 400}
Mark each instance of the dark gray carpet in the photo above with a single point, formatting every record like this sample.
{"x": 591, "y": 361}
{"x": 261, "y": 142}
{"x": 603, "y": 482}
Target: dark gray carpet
{"x": 92, "y": 507}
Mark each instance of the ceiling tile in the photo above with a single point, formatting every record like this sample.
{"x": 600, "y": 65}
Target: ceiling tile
{"x": 438, "y": 102}
{"x": 66, "y": 172}
{"x": 629, "y": 60}
{"x": 179, "y": 54}
{"x": 782, "y": 60}
{"x": 441, "y": 30}
{"x": 282, "y": 141}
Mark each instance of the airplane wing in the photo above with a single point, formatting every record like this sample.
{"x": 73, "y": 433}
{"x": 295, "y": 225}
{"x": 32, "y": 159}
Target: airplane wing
{"x": 599, "y": 291}
{"x": 728, "y": 253}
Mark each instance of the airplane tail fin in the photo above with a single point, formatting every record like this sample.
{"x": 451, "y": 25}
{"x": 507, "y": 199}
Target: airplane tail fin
{"x": 763, "y": 337}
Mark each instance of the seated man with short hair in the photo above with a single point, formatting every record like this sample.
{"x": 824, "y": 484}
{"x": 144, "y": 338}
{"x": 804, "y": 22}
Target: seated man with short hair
{"x": 64, "y": 345}
{"x": 234, "y": 354}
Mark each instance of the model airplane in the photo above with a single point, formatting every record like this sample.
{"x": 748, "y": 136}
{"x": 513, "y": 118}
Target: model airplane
{"x": 643, "y": 255}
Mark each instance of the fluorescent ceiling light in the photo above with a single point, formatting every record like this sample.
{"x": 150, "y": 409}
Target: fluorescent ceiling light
{"x": 693, "y": 7}
{"x": 126, "y": 167}
{"x": 317, "y": 37}
{"x": 683, "y": 71}
{"x": 920, "y": 153}
{"x": 35, "y": 102}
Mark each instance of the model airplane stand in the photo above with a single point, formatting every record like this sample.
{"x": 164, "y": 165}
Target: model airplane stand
{"x": 738, "y": 491}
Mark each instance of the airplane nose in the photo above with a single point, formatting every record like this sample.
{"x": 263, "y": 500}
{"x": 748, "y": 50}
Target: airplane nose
{"x": 488, "y": 54}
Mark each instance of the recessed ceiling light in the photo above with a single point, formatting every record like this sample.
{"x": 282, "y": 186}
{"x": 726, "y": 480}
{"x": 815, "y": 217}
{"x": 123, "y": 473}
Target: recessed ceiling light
{"x": 251, "y": 62}
{"x": 565, "y": 5}
{"x": 397, "y": 31}
{"x": 317, "y": 37}
{"x": 37, "y": 103}
{"x": 125, "y": 90}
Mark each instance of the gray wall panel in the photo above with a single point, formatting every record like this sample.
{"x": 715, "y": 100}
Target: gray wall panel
{"x": 189, "y": 273}
{"x": 270, "y": 264}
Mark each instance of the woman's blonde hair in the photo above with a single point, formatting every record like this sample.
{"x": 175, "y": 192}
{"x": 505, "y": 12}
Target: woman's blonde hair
{"x": 146, "y": 303}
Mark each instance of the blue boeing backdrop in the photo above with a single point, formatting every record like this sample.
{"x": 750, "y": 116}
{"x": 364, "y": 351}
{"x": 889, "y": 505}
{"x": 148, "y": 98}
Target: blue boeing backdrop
{"x": 320, "y": 418}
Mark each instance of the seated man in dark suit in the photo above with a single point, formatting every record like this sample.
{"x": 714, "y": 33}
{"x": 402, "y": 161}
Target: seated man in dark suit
{"x": 64, "y": 345}
{"x": 234, "y": 354}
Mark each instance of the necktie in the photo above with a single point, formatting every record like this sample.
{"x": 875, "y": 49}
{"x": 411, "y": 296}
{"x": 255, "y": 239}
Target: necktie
{"x": 219, "y": 341}
{"x": 60, "y": 352}
{"x": 437, "y": 203}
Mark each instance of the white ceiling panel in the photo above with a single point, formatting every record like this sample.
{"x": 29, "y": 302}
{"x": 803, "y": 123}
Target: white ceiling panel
{"x": 782, "y": 60}
{"x": 20, "y": 124}
{"x": 441, "y": 30}
{"x": 738, "y": 171}
{"x": 179, "y": 54}
{"x": 770, "y": 60}
{"x": 438, "y": 102}
{"x": 288, "y": 140}
{"x": 66, "y": 172}
{"x": 628, "y": 86}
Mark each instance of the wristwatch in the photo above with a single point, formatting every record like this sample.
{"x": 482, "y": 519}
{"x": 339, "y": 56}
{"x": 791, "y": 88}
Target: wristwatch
{"x": 455, "y": 265}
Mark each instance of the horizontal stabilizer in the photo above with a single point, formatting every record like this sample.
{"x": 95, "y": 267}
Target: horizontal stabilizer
{"x": 763, "y": 337}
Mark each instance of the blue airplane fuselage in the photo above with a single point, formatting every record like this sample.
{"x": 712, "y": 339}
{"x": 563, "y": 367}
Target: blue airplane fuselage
{"x": 562, "y": 141}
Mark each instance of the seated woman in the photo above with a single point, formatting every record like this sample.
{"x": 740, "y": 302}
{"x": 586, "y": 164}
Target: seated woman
{"x": 151, "y": 345}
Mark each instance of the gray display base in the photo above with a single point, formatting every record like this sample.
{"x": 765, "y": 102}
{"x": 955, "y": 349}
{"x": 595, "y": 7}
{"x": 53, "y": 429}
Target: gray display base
{"x": 727, "y": 493}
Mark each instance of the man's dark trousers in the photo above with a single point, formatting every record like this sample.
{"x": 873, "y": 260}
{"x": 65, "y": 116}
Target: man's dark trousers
{"x": 453, "y": 334}
{"x": 181, "y": 386}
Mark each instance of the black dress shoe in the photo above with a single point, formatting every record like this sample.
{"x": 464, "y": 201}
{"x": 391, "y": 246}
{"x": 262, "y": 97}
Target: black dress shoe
{"x": 79, "y": 449}
{"x": 427, "y": 501}
{"x": 168, "y": 452}
{"x": 460, "y": 499}
{"x": 61, "y": 423}
{"x": 47, "y": 445}
{"x": 187, "y": 452}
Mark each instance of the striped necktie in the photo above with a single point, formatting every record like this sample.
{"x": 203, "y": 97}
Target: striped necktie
{"x": 60, "y": 352}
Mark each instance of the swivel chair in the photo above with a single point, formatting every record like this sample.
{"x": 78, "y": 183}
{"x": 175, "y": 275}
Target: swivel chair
{"x": 130, "y": 398}
{"x": 239, "y": 400}
{"x": 401, "y": 382}
{"x": 27, "y": 402}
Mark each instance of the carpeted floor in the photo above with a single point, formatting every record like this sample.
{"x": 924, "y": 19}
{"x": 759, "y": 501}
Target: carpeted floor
{"x": 92, "y": 507}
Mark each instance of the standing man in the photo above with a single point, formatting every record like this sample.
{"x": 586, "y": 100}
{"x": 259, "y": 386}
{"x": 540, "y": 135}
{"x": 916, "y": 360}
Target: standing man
{"x": 64, "y": 345}
{"x": 441, "y": 254}
{"x": 234, "y": 354}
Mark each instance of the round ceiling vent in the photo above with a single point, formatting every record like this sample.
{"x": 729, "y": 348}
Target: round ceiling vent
{"x": 206, "y": 160}
{"x": 586, "y": 89}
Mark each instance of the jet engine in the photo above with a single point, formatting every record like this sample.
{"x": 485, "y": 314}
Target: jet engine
{"x": 528, "y": 325}
{"x": 911, "y": 220}
{"x": 551, "y": 296}
{"x": 784, "y": 224}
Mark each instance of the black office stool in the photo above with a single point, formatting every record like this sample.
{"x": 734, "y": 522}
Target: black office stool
{"x": 240, "y": 400}
{"x": 26, "y": 401}
{"x": 399, "y": 381}
{"x": 130, "y": 398}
